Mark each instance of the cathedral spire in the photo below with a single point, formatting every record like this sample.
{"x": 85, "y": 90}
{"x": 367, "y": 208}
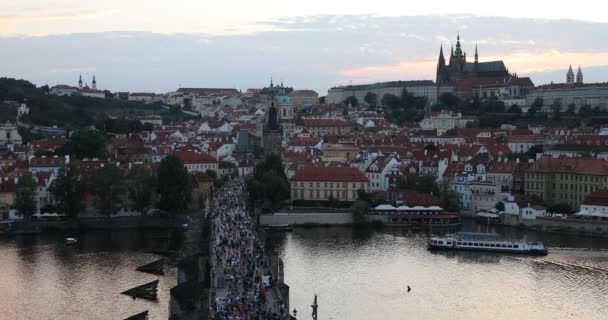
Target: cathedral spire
{"x": 579, "y": 75}
{"x": 476, "y": 55}
{"x": 94, "y": 84}
{"x": 570, "y": 75}
{"x": 441, "y": 58}
{"x": 458, "y": 48}
{"x": 80, "y": 81}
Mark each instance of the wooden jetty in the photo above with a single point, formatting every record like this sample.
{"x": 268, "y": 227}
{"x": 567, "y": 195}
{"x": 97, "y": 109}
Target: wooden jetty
{"x": 146, "y": 291}
{"x": 139, "y": 316}
{"x": 154, "y": 267}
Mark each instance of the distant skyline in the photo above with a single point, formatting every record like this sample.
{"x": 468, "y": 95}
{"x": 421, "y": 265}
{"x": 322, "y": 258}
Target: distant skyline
{"x": 154, "y": 46}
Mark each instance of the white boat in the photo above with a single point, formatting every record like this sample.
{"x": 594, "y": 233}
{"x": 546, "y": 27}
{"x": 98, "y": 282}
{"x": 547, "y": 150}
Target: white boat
{"x": 492, "y": 242}
{"x": 70, "y": 241}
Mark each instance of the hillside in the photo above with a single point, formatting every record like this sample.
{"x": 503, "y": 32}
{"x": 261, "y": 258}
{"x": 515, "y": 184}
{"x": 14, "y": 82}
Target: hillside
{"x": 70, "y": 112}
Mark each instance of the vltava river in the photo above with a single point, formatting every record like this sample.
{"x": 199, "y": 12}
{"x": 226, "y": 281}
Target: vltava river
{"x": 364, "y": 275}
{"x": 41, "y": 278}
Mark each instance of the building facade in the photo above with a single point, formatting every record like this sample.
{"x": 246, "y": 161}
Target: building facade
{"x": 324, "y": 183}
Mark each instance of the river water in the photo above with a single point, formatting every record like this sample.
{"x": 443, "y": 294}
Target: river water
{"x": 41, "y": 278}
{"x": 364, "y": 275}
{"x": 356, "y": 274}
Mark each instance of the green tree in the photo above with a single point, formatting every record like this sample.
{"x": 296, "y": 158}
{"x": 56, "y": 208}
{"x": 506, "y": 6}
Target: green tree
{"x": 450, "y": 100}
{"x": 173, "y": 185}
{"x": 322, "y": 100}
{"x": 514, "y": 109}
{"x": 68, "y": 190}
{"x": 269, "y": 182}
{"x": 107, "y": 187}
{"x": 571, "y": 109}
{"x": 449, "y": 198}
{"x": 25, "y": 201}
{"x": 371, "y": 99}
{"x": 141, "y": 184}
{"x": 85, "y": 144}
{"x": 556, "y": 107}
{"x": 562, "y": 207}
{"x": 359, "y": 211}
{"x": 585, "y": 111}
{"x": 352, "y": 100}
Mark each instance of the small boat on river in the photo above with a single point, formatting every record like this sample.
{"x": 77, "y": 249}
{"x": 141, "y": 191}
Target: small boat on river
{"x": 70, "y": 241}
{"x": 492, "y": 242}
{"x": 279, "y": 227}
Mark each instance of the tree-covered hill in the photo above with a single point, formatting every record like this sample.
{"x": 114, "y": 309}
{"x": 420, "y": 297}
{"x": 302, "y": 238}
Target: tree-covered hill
{"x": 66, "y": 111}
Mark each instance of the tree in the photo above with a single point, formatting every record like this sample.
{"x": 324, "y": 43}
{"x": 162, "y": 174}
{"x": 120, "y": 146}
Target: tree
{"x": 514, "y": 109}
{"x": 585, "y": 111}
{"x": 269, "y": 182}
{"x": 571, "y": 109}
{"x": 449, "y": 100}
{"x": 25, "y": 201}
{"x": 352, "y": 100}
{"x": 500, "y": 206}
{"x": 556, "y": 107}
{"x": 562, "y": 207}
{"x": 449, "y": 198}
{"x": 85, "y": 144}
{"x": 322, "y": 100}
{"x": 107, "y": 186}
{"x": 173, "y": 185}
{"x": 68, "y": 190}
{"x": 359, "y": 211}
{"x": 534, "y": 150}
{"x": 371, "y": 99}
{"x": 536, "y": 106}
{"x": 141, "y": 184}
{"x": 187, "y": 104}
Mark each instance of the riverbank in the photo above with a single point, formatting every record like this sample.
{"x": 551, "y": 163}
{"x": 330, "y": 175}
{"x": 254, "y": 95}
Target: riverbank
{"x": 23, "y": 227}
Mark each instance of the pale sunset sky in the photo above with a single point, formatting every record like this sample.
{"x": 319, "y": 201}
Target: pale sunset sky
{"x": 155, "y": 45}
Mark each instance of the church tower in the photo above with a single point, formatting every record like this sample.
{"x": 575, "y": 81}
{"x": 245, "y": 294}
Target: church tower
{"x": 579, "y": 76}
{"x": 476, "y": 55}
{"x": 570, "y": 76}
{"x": 273, "y": 132}
{"x": 94, "y": 84}
{"x": 458, "y": 59}
{"x": 80, "y": 82}
{"x": 442, "y": 72}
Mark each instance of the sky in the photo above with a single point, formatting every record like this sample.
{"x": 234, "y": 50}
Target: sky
{"x": 156, "y": 45}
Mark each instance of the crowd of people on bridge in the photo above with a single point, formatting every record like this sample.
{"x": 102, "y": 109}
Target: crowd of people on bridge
{"x": 242, "y": 281}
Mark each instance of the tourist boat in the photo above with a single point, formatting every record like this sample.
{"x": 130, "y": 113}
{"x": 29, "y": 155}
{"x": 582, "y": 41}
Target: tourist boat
{"x": 70, "y": 241}
{"x": 492, "y": 242}
{"x": 488, "y": 217}
{"x": 279, "y": 227}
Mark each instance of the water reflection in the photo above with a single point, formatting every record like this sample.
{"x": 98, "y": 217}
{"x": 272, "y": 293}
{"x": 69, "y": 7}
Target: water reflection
{"x": 41, "y": 278}
{"x": 363, "y": 275}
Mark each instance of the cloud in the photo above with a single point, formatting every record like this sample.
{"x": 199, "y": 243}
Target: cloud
{"x": 73, "y": 70}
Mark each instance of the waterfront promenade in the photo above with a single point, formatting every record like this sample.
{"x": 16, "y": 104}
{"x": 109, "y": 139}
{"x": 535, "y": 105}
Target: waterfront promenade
{"x": 242, "y": 284}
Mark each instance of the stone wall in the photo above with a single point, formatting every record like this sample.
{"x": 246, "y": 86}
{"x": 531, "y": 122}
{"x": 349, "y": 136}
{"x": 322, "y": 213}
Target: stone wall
{"x": 299, "y": 219}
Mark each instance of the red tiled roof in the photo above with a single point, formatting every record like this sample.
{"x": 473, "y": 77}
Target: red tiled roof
{"x": 47, "y": 162}
{"x": 192, "y": 157}
{"x": 325, "y": 123}
{"x": 597, "y": 198}
{"x": 585, "y": 166}
{"x": 332, "y": 174}
{"x": 303, "y": 93}
{"x": 557, "y": 86}
{"x": 64, "y": 86}
{"x": 207, "y": 91}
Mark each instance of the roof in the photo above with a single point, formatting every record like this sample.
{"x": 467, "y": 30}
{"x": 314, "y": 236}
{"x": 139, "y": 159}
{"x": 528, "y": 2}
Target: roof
{"x": 583, "y": 166}
{"x": 303, "y": 93}
{"x": 49, "y": 162}
{"x": 325, "y": 123}
{"x": 330, "y": 174}
{"x": 207, "y": 91}
{"x": 558, "y": 86}
{"x": 597, "y": 198}
{"x": 390, "y": 84}
{"x": 490, "y": 66}
{"x": 189, "y": 157}
{"x": 64, "y": 87}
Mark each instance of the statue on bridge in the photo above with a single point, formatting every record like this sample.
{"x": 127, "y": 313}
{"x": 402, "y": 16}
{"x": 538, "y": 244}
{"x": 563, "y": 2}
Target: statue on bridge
{"x": 314, "y": 308}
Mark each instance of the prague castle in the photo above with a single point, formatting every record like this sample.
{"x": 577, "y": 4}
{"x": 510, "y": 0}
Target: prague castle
{"x": 458, "y": 68}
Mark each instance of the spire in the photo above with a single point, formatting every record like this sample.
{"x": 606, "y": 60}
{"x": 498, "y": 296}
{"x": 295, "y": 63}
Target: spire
{"x": 80, "y": 81}
{"x": 271, "y": 85}
{"x": 458, "y": 49}
{"x": 579, "y": 75}
{"x": 476, "y": 55}
{"x": 94, "y": 84}
{"x": 570, "y": 75}
{"x": 441, "y": 58}
{"x": 452, "y": 50}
